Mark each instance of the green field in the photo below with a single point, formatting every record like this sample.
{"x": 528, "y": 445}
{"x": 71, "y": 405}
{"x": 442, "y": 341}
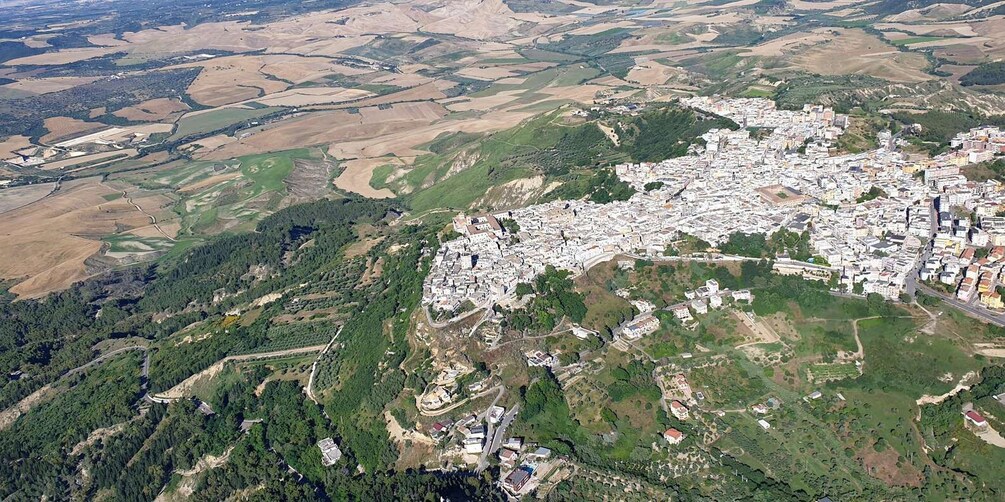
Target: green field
{"x": 914, "y": 40}
{"x": 216, "y": 120}
{"x": 230, "y": 203}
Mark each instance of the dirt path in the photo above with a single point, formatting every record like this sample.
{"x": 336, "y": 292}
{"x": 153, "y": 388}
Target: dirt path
{"x": 153, "y": 219}
{"x": 992, "y": 437}
{"x": 928, "y": 399}
{"x": 314, "y": 367}
{"x": 179, "y": 391}
{"x": 611, "y": 135}
{"x": 762, "y": 331}
{"x": 400, "y": 435}
{"x": 436, "y": 413}
{"x": 10, "y": 415}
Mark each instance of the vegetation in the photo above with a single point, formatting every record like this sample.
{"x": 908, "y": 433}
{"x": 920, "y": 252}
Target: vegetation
{"x": 936, "y": 128}
{"x": 874, "y": 193}
{"x": 784, "y": 241}
{"x": 601, "y": 186}
{"x": 554, "y": 299}
{"x": 985, "y": 74}
{"x": 664, "y": 133}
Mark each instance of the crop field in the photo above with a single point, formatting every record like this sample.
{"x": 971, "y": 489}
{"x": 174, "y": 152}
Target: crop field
{"x": 837, "y": 371}
{"x": 63, "y": 230}
{"x": 215, "y": 120}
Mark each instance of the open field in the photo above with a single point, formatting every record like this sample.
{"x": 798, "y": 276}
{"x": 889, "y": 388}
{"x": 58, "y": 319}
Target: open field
{"x": 62, "y": 231}
{"x": 856, "y": 52}
{"x": 356, "y": 177}
{"x": 13, "y": 198}
{"x": 200, "y": 123}
{"x": 65, "y": 127}
{"x": 155, "y": 110}
{"x": 10, "y": 145}
{"x": 46, "y": 85}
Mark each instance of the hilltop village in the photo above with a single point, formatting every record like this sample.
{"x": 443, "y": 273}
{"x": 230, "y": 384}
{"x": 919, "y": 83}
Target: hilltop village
{"x": 869, "y": 215}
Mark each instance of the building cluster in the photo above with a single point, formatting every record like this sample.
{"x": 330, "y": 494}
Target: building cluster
{"x": 968, "y": 246}
{"x": 868, "y": 214}
{"x": 522, "y": 464}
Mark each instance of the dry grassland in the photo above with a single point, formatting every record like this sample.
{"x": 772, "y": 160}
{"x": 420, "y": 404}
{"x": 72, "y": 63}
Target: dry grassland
{"x": 13, "y": 198}
{"x": 476, "y": 19}
{"x": 651, "y": 73}
{"x": 356, "y": 177}
{"x": 231, "y": 79}
{"x": 154, "y": 110}
{"x": 313, "y": 96}
{"x": 10, "y": 146}
{"x": 853, "y": 51}
{"x": 47, "y": 85}
{"x": 48, "y": 241}
{"x": 64, "y": 127}
{"x": 65, "y": 56}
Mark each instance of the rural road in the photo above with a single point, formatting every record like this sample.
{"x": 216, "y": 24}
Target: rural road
{"x": 177, "y": 391}
{"x": 494, "y": 436}
{"x": 314, "y": 366}
{"x": 971, "y": 310}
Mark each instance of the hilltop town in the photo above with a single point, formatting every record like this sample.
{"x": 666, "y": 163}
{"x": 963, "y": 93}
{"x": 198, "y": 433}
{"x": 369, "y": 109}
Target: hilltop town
{"x": 869, "y": 215}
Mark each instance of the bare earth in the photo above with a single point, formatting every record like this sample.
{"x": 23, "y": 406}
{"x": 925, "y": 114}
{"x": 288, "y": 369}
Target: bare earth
{"x": 356, "y": 178}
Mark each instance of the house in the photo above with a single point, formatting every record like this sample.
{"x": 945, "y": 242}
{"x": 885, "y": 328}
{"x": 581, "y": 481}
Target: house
{"x": 712, "y": 286}
{"x": 496, "y": 414}
{"x": 473, "y": 445}
{"x": 538, "y": 358}
{"x": 507, "y": 456}
{"x": 581, "y": 332}
{"x": 699, "y": 306}
{"x": 760, "y": 409}
{"x": 518, "y": 478}
{"x": 513, "y": 443}
{"x": 975, "y": 419}
{"x": 764, "y": 424}
{"x": 541, "y": 453}
{"x": 715, "y": 301}
{"x": 642, "y": 326}
{"x": 477, "y": 431}
{"x": 813, "y": 395}
{"x": 682, "y": 313}
{"x": 742, "y": 294}
{"x": 680, "y": 381}
{"x": 673, "y": 436}
{"x": 992, "y": 300}
{"x": 330, "y": 454}
{"x": 679, "y": 410}
{"x": 436, "y": 398}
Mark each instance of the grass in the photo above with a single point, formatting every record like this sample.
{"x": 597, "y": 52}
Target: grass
{"x": 757, "y": 92}
{"x": 127, "y": 243}
{"x": 216, "y": 120}
{"x": 270, "y": 169}
{"x": 898, "y": 358}
{"x": 247, "y": 198}
{"x": 834, "y": 371}
{"x": 913, "y": 40}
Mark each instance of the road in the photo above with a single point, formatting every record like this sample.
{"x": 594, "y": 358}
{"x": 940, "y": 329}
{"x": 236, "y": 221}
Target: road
{"x": 974, "y": 311}
{"x": 179, "y": 391}
{"x": 107, "y": 355}
{"x": 496, "y": 435}
{"x": 436, "y": 413}
{"x": 911, "y": 285}
{"x": 448, "y": 322}
{"x": 314, "y": 366}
